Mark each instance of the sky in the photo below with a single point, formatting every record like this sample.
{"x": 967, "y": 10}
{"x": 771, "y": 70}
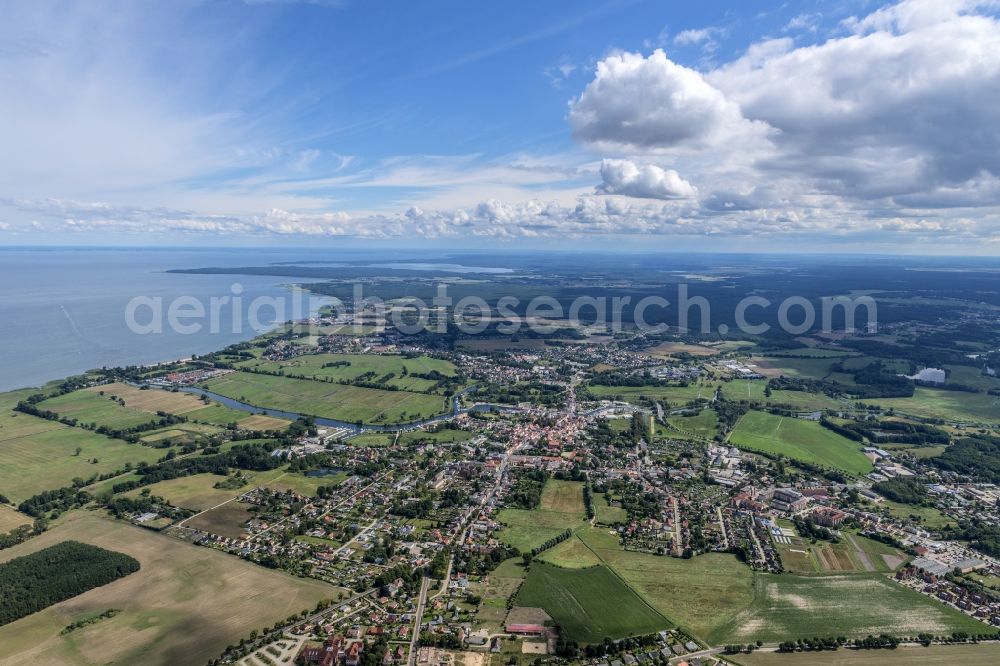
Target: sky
{"x": 812, "y": 126}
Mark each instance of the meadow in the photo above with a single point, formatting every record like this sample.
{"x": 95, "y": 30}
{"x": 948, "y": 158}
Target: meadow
{"x": 37, "y": 455}
{"x": 853, "y": 605}
{"x": 754, "y": 390}
{"x": 799, "y": 439}
{"x": 948, "y": 405}
{"x": 91, "y": 407}
{"x": 335, "y": 401}
{"x": 676, "y": 396}
{"x": 198, "y": 491}
{"x": 983, "y": 654}
{"x": 184, "y": 605}
{"x": 589, "y": 604}
{"x": 312, "y": 366}
{"x": 704, "y": 424}
{"x": 561, "y": 508}
{"x": 699, "y": 595}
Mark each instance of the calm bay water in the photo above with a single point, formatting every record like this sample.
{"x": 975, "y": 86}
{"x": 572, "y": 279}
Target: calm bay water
{"x": 62, "y": 311}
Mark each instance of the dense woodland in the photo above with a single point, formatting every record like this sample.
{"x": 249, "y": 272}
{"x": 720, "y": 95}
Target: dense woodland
{"x": 36, "y": 581}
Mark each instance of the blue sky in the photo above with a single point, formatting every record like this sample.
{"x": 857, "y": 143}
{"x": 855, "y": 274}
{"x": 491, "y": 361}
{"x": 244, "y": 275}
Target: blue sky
{"x": 819, "y": 126}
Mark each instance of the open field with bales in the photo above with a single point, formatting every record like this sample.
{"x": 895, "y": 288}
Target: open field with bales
{"x": 589, "y": 604}
{"x": 799, "y": 439}
{"x": 335, "y": 401}
{"x": 183, "y": 606}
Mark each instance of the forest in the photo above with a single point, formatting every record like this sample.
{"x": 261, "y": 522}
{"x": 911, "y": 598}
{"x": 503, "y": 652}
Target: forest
{"x": 36, "y": 581}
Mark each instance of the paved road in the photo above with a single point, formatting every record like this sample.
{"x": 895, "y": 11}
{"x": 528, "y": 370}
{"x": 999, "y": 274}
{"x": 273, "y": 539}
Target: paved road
{"x": 418, "y": 620}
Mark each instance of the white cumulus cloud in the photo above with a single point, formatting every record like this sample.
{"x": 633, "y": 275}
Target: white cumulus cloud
{"x": 646, "y": 181}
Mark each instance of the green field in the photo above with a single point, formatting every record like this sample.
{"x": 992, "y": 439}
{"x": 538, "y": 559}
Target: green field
{"x": 198, "y": 491}
{"x": 983, "y": 654}
{"x": 561, "y": 508}
{"x": 335, "y": 401}
{"x": 183, "y": 606}
{"x": 91, "y": 407}
{"x": 925, "y": 516}
{"x": 311, "y": 366}
{"x": 590, "y": 604}
{"x": 37, "y": 455}
{"x": 705, "y": 424}
{"x": 747, "y": 389}
{"x": 853, "y": 605}
{"x": 947, "y": 405}
{"x": 699, "y": 595}
{"x": 676, "y": 396}
{"x": 608, "y": 514}
{"x": 799, "y": 439}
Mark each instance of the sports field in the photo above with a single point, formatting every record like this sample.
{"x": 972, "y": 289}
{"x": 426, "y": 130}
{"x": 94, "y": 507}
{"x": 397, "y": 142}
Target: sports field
{"x": 853, "y": 605}
{"x": 184, "y": 605}
{"x": 590, "y": 604}
{"x": 335, "y": 401}
{"x": 561, "y": 507}
{"x": 799, "y": 439}
{"x": 312, "y": 366}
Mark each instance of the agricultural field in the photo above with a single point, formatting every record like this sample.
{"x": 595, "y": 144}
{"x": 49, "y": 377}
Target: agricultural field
{"x": 947, "y": 405}
{"x": 88, "y": 406}
{"x": 11, "y": 519}
{"x": 983, "y": 654}
{"x": 495, "y": 589}
{"x": 226, "y": 520}
{"x": 151, "y": 400}
{"x": 799, "y": 368}
{"x": 671, "y": 349}
{"x": 799, "y": 439}
{"x": 335, "y": 401}
{"x": 45, "y": 458}
{"x": 748, "y": 389}
{"x": 853, "y": 605}
{"x": 853, "y": 553}
{"x": 312, "y": 366}
{"x": 590, "y": 604}
{"x": 198, "y": 492}
{"x": 184, "y": 605}
{"x": 561, "y": 508}
{"x": 674, "y": 395}
{"x": 572, "y": 553}
{"x": 700, "y": 595}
